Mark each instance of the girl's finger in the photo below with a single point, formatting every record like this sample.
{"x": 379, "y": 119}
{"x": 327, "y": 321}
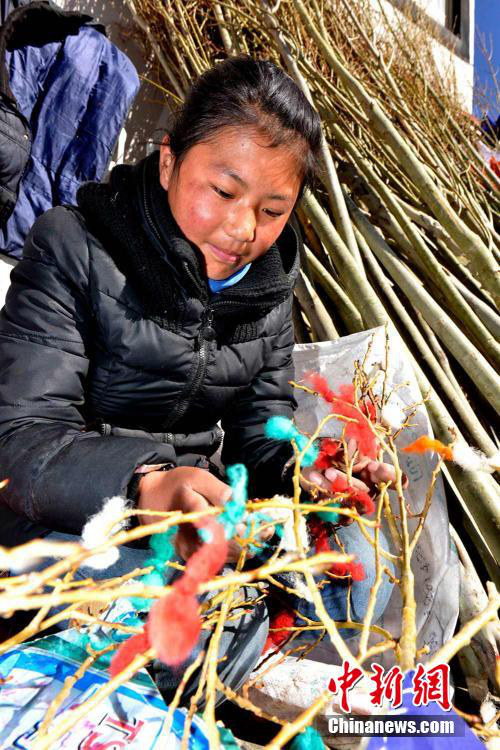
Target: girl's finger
{"x": 333, "y": 474}
{"x": 312, "y": 476}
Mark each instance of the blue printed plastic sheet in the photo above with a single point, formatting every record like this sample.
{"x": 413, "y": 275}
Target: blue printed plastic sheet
{"x": 133, "y": 717}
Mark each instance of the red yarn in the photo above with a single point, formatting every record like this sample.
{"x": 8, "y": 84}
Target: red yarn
{"x": 362, "y": 501}
{"x": 174, "y": 621}
{"x": 357, "y": 571}
{"x": 283, "y": 619}
{"x": 319, "y": 534}
{"x": 127, "y": 652}
{"x": 174, "y": 626}
{"x": 354, "y": 569}
{"x": 343, "y": 404}
{"x": 328, "y": 452}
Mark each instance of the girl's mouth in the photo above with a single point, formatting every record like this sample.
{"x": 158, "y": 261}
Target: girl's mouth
{"x": 222, "y": 255}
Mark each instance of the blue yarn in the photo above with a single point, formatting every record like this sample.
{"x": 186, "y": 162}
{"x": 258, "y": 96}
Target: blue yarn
{"x": 227, "y": 739}
{"x": 234, "y": 509}
{"x": 282, "y": 428}
{"x": 329, "y": 515}
{"x": 309, "y": 739}
{"x": 163, "y": 550}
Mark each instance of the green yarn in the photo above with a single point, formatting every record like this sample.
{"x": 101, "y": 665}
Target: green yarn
{"x": 234, "y": 509}
{"x": 329, "y": 515}
{"x": 227, "y": 739}
{"x": 161, "y": 545}
{"x": 309, "y": 739}
{"x": 282, "y": 428}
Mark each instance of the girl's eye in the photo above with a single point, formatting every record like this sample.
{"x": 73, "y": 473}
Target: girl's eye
{"x": 273, "y": 214}
{"x": 222, "y": 193}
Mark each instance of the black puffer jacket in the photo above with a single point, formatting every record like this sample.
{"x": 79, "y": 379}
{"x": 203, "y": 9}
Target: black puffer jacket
{"x": 113, "y": 354}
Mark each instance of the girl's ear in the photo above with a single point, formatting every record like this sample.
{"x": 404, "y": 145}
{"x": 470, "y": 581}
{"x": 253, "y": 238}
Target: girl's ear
{"x": 167, "y": 162}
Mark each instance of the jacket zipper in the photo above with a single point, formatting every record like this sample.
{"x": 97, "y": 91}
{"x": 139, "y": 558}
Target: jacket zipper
{"x": 192, "y": 388}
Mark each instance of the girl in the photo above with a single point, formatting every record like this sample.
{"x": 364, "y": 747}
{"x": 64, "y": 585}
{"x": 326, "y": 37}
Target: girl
{"x": 157, "y": 307}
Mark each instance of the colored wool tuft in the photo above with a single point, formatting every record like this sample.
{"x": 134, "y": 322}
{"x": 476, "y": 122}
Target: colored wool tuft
{"x": 353, "y": 569}
{"x": 227, "y": 739}
{"x": 392, "y": 416}
{"x": 358, "y": 498}
{"x": 175, "y": 626}
{"x": 362, "y": 502}
{"x": 426, "y": 444}
{"x": 277, "y": 635}
{"x": 234, "y": 509}
{"x": 319, "y": 533}
{"x": 460, "y": 453}
{"x": 343, "y": 403}
{"x": 136, "y": 644}
{"x": 285, "y": 516}
{"x": 282, "y": 428}
{"x": 309, "y": 739}
{"x": 174, "y": 623}
{"x": 162, "y": 547}
{"x": 100, "y": 527}
{"x": 330, "y": 450}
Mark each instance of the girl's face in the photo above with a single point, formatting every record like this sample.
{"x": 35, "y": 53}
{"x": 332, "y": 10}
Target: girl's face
{"x": 231, "y": 196}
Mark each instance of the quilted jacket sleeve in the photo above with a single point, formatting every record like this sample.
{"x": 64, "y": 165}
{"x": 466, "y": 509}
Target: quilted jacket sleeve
{"x": 59, "y": 474}
{"x": 269, "y": 394}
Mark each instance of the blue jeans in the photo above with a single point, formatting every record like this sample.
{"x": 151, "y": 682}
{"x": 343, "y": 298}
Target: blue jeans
{"x": 335, "y": 593}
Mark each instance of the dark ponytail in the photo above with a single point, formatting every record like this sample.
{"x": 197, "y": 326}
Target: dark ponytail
{"x": 241, "y": 91}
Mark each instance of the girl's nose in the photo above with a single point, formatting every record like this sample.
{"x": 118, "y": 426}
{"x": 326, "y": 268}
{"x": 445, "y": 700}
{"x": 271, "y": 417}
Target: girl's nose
{"x": 241, "y": 226}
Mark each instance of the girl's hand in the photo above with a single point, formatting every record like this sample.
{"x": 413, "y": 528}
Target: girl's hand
{"x": 367, "y": 474}
{"x": 189, "y": 490}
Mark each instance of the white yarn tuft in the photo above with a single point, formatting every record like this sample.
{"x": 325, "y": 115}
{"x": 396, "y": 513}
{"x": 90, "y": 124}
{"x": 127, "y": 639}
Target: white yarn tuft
{"x": 301, "y": 587}
{"x": 473, "y": 460}
{"x": 392, "y": 416}
{"x": 100, "y": 527}
{"x": 285, "y": 516}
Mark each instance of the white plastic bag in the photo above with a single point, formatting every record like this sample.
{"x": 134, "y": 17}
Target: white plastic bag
{"x": 435, "y": 562}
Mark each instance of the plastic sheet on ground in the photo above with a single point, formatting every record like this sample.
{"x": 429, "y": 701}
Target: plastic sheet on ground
{"x": 134, "y": 716}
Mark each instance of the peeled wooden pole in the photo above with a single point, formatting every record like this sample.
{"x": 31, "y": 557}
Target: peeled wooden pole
{"x": 346, "y": 309}
{"x": 315, "y": 311}
{"x": 336, "y": 198}
{"x": 448, "y": 332}
{"x": 352, "y": 279}
{"x": 482, "y": 262}
{"x": 456, "y": 301}
{"x": 478, "y": 434}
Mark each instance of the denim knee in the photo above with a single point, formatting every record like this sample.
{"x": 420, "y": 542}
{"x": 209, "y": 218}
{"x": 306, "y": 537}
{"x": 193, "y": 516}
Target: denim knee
{"x": 335, "y": 593}
{"x": 240, "y": 648}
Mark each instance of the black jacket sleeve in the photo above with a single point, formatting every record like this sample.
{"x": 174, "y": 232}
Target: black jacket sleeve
{"x": 58, "y": 473}
{"x": 269, "y": 394}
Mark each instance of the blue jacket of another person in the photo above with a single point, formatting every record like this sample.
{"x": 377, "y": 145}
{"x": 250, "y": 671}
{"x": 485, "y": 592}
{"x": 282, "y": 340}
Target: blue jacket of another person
{"x": 75, "y": 95}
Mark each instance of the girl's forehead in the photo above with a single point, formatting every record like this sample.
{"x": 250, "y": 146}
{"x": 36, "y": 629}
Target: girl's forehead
{"x": 240, "y": 152}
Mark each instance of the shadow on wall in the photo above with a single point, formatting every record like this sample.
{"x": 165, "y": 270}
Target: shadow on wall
{"x": 148, "y": 116}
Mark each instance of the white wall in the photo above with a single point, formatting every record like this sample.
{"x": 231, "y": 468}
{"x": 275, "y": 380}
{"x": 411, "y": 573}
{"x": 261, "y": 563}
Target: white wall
{"x": 445, "y": 59}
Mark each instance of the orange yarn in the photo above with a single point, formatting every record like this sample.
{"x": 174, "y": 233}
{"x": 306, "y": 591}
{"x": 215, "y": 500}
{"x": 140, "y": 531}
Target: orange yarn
{"x": 424, "y": 444}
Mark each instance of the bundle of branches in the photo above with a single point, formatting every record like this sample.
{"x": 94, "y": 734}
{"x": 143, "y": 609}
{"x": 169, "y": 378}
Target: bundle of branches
{"x": 367, "y": 411}
{"x": 404, "y": 225}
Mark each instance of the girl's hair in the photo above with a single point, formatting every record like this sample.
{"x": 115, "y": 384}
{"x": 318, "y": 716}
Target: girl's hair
{"x": 241, "y": 91}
